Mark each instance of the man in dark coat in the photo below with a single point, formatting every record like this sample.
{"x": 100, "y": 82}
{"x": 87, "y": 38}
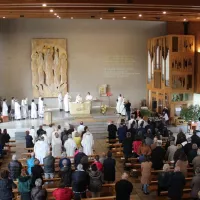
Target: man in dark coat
{"x": 195, "y": 139}
{"x": 123, "y": 188}
{"x": 127, "y": 146}
{"x": 80, "y": 181}
{"x": 40, "y": 131}
{"x": 78, "y": 157}
{"x": 157, "y": 156}
{"x": 121, "y": 132}
{"x": 109, "y": 168}
{"x": 29, "y": 140}
{"x": 112, "y": 129}
{"x": 176, "y": 185}
{"x": 15, "y": 168}
{"x": 128, "y": 109}
{"x": 49, "y": 166}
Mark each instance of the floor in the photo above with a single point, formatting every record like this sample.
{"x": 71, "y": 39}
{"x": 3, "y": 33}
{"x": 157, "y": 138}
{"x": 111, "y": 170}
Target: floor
{"x": 97, "y": 124}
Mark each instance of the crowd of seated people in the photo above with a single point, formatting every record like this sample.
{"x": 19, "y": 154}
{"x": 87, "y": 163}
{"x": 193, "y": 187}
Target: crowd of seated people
{"x": 143, "y": 140}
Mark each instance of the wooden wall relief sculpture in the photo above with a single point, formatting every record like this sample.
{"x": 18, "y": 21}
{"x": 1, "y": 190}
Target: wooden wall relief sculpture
{"x": 49, "y": 67}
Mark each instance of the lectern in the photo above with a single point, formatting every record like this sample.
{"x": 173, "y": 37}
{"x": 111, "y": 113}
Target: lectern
{"x": 47, "y": 117}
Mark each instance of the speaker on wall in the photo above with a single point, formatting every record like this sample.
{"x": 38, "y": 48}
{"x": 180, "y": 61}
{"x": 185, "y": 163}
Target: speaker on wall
{"x": 154, "y": 104}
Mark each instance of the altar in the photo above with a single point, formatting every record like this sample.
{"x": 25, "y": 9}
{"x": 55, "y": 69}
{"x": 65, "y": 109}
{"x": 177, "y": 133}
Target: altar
{"x": 80, "y": 108}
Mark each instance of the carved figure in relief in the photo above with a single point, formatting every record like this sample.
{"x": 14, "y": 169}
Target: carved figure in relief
{"x": 34, "y": 68}
{"x": 56, "y": 68}
{"x": 63, "y": 68}
{"x": 49, "y": 67}
{"x": 41, "y": 70}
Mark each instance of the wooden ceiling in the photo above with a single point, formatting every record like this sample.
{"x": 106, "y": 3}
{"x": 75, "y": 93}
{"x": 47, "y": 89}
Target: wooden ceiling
{"x": 161, "y": 10}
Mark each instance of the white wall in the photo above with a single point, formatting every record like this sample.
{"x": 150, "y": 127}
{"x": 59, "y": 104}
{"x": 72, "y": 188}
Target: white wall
{"x": 94, "y": 46}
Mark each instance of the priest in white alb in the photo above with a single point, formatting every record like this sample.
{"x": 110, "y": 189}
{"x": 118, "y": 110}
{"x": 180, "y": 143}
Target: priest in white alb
{"x": 4, "y": 108}
{"x": 17, "y": 110}
{"x": 23, "y": 109}
{"x": 60, "y": 101}
{"x": 33, "y": 110}
{"x": 119, "y": 102}
{"x": 87, "y": 143}
{"x": 70, "y": 146}
{"x": 13, "y": 105}
{"x": 79, "y": 99}
{"x": 56, "y": 146}
{"x": 88, "y": 97}
{"x": 67, "y": 99}
{"x": 41, "y": 149}
{"x": 26, "y": 106}
{"x": 41, "y": 108}
{"x": 49, "y": 132}
{"x": 33, "y": 133}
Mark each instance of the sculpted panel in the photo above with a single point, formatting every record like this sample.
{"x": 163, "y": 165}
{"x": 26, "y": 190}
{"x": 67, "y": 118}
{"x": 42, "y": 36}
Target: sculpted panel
{"x": 49, "y": 67}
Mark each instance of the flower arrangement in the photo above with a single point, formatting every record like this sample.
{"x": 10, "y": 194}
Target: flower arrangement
{"x": 103, "y": 109}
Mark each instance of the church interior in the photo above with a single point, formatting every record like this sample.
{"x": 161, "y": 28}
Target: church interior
{"x": 129, "y": 64}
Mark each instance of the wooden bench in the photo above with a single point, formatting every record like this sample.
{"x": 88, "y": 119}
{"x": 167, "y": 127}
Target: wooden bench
{"x": 154, "y": 184}
{"x": 186, "y": 193}
{"x": 104, "y": 188}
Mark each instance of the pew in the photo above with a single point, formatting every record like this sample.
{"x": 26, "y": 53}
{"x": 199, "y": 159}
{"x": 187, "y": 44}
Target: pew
{"x": 186, "y": 193}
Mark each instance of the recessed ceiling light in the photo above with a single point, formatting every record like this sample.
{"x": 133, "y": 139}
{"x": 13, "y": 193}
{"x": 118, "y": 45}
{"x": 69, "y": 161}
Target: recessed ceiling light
{"x": 55, "y": 13}
{"x": 72, "y": 18}
{"x": 140, "y": 15}
{"x": 4, "y": 17}
{"x": 164, "y": 12}
{"x": 100, "y": 18}
{"x": 44, "y": 4}
{"x": 124, "y": 17}
{"x": 57, "y": 16}
{"x": 185, "y": 20}
{"x": 51, "y": 10}
{"x": 113, "y": 18}
{"x": 198, "y": 17}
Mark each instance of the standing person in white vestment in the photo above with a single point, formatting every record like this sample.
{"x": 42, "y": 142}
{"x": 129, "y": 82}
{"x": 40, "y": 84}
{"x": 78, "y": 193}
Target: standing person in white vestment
{"x": 4, "y": 108}
{"x": 67, "y": 99}
{"x": 70, "y": 146}
{"x": 122, "y": 107}
{"x": 23, "y": 109}
{"x": 88, "y": 97}
{"x": 80, "y": 128}
{"x": 26, "y": 106}
{"x": 13, "y": 105}
{"x": 17, "y": 111}
{"x": 49, "y": 131}
{"x": 41, "y": 108}
{"x": 33, "y": 133}
{"x": 79, "y": 99}
{"x": 56, "y": 146}
{"x": 119, "y": 102}
{"x": 60, "y": 101}
{"x": 41, "y": 148}
{"x": 87, "y": 143}
{"x": 33, "y": 110}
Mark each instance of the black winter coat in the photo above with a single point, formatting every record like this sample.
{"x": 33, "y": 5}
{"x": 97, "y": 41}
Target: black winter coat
{"x": 96, "y": 181}
{"x": 109, "y": 169}
{"x": 176, "y": 186}
{"x": 49, "y": 164}
{"x": 38, "y": 193}
{"x": 157, "y": 157}
{"x": 6, "y": 186}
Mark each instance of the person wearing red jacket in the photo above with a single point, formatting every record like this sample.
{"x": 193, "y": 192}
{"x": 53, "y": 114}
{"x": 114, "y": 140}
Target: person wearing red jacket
{"x": 98, "y": 164}
{"x": 62, "y": 192}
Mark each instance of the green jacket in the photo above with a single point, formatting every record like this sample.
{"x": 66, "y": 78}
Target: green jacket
{"x": 24, "y": 183}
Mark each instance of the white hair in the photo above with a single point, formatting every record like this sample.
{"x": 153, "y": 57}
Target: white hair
{"x": 14, "y": 157}
{"x": 38, "y": 182}
{"x": 80, "y": 167}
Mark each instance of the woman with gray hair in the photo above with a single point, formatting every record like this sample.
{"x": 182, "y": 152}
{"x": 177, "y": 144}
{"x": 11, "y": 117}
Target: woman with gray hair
{"x": 164, "y": 178}
{"x": 195, "y": 185}
{"x": 38, "y": 193}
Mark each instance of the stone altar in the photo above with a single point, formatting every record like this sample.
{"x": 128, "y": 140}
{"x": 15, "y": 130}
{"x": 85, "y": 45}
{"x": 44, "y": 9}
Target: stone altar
{"x": 80, "y": 108}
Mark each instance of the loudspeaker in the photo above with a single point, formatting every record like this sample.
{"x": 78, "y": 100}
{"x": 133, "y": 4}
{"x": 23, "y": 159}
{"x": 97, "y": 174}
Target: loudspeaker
{"x": 111, "y": 10}
{"x": 186, "y": 25}
{"x": 154, "y": 104}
